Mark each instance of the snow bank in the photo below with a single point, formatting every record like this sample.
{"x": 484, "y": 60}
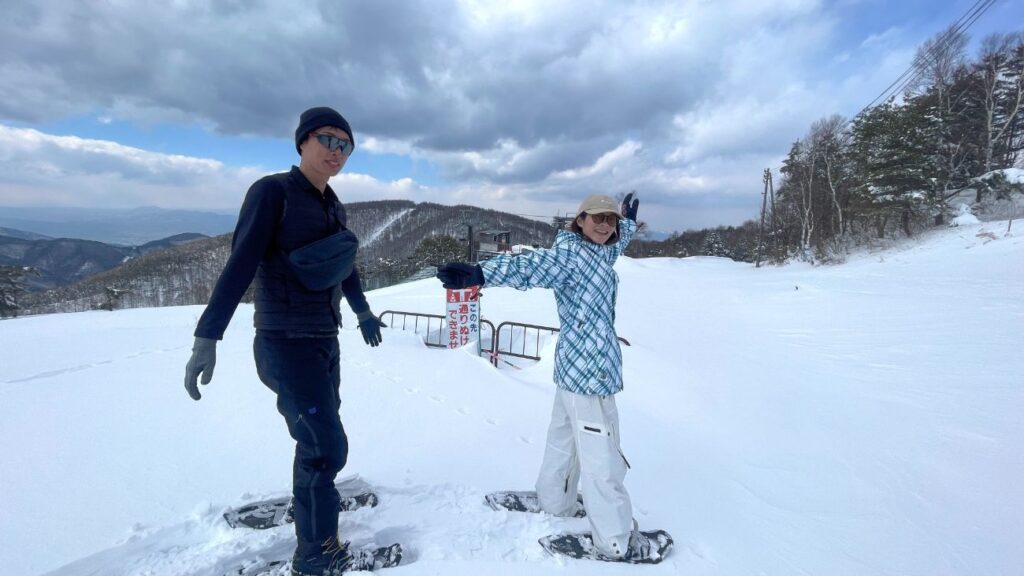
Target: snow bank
{"x": 854, "y": 419}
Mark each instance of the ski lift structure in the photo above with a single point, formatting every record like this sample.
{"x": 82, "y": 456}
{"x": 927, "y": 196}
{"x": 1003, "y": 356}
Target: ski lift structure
{"x": 490, "y": 243}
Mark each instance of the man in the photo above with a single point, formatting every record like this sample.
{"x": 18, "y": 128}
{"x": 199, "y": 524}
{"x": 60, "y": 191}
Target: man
{"x": 292, "y": 237}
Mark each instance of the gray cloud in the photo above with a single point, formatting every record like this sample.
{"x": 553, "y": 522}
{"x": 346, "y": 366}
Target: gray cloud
{"x": 40, "y": 169}
{"x": 534, "y": 101}
{"x": 428, "y": 72}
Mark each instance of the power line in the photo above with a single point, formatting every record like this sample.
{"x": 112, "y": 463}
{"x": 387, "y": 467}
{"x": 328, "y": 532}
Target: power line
{"x": 917, "y": 67}
{"x": 917, "y": 62}
{"x": 942, "y": 43}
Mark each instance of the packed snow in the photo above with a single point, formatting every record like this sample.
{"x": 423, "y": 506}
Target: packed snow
{"x": 372, "y": 236}
{"x": 1013, "y": 175}
{"x": 964, "y": 217}
{"x": 858, "y": 419}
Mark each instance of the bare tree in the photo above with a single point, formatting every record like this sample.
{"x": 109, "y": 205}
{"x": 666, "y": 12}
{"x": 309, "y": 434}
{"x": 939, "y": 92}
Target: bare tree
{"x": 830, "y": 140}
{"x": 801, "y": 173}
{"x": 1000, "y": 75}
{"x": 938, "y": 60}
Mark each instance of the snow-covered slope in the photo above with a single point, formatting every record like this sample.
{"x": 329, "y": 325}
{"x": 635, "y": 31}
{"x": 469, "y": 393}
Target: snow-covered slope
{"x": 859, "y": 419}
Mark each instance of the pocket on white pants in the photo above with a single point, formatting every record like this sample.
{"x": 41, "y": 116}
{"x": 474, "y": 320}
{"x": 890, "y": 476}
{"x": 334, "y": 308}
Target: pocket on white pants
{"x": 593, "y": 428}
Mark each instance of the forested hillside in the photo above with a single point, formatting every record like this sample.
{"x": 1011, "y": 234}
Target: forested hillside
{"x": 57, "y": 262}
{"x": 389, "y": 232}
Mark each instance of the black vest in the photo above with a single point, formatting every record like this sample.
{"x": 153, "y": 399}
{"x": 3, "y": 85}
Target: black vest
{"x": 282, "y": 303}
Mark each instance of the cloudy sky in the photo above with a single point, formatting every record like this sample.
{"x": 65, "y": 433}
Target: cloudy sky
{"x": 525, "y": 106}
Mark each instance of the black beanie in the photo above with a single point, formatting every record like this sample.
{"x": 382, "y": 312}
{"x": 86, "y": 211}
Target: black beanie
{"x": 318, "y": 118}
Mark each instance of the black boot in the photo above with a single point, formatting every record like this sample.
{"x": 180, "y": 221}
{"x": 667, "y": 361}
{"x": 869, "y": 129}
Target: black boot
{"x": 332, "y": 560}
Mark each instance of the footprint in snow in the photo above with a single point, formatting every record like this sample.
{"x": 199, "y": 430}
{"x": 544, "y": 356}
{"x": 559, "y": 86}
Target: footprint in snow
{"x": 384, "y": 376}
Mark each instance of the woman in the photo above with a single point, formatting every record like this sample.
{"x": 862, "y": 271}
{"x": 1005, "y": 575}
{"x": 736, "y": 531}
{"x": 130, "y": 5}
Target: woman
{"x": 583, "y": 449}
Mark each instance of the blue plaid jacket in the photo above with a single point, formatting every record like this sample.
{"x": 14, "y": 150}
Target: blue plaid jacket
{"x": 588, "y": 359}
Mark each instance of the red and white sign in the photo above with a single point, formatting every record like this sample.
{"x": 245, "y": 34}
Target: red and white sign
{"x": 463, "y": 316}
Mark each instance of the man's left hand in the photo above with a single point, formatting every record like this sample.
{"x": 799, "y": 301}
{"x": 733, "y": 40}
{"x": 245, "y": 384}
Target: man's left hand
{"x": 370, "y": 326}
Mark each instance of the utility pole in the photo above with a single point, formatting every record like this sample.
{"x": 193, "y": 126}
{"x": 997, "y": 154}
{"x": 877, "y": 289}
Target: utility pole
{"x": 771, "y": 210}
{"x": 764, "y": 204}
{"x": 467, "y": 221}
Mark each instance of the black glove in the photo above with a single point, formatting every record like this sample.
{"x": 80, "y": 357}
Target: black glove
{"x": 370, "y": 326}
{"x": 630, "y": 206}
{"x": 204, "y": 358}
{"x": 459, "y": 275}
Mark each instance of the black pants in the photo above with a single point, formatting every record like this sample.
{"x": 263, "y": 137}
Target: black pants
{"x": 304, "y": 373}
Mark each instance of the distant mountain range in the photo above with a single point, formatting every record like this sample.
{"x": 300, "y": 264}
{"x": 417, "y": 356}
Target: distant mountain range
{"x": 183, "y": 269}
{"x": 62, "y": 261}
{"x": 133, "y": 227}
{"x": 22, "y": 234}
{"x": 77, "y": 274}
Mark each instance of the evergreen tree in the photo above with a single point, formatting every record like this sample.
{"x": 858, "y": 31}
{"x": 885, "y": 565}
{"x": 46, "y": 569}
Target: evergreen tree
{"x": 944, "y": 121}
{"x": 12, "y": 288}
{"x": 891, "y": 158}
{"x": 437, "y": 250}
{"x": 713, "y": 246}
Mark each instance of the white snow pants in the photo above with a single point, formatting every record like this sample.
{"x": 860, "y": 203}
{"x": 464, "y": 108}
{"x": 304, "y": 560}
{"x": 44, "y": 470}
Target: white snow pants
{"x": 583, "y": 452}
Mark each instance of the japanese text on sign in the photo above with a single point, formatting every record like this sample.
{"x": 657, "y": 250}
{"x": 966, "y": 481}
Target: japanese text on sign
{"x": 463, "y": 316}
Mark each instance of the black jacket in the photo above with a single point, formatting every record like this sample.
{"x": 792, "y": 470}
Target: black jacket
{"x": 281, "y": 212}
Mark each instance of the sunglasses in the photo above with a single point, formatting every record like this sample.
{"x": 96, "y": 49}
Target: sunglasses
{"x": 607, "y": 218}
{"x": 334, "y": 143}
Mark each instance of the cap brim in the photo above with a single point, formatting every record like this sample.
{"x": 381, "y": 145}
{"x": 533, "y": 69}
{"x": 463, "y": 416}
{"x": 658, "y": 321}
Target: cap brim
{"x": 601, "y": 211}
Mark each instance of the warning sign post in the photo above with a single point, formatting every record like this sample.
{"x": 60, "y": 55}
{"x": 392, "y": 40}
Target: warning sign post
{"x": 463, "y": 316}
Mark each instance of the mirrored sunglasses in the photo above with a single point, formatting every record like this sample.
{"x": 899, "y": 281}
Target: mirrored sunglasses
{"x": 608, "y": 217}
{"x": 334, "y": 143}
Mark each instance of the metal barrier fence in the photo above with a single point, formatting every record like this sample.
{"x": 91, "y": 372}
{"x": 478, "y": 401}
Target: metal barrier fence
{"x": 427, "y": 320}
{"x": 525, "y": 328}
{"x": 491, "y": 346}
{"x": 487, "y": 345}
{"x": 538, "y": 329}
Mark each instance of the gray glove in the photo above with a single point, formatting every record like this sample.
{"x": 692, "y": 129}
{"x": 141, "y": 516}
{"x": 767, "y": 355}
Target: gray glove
{"x": 204, "y": 357}
{"x": 370, "y": 326}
